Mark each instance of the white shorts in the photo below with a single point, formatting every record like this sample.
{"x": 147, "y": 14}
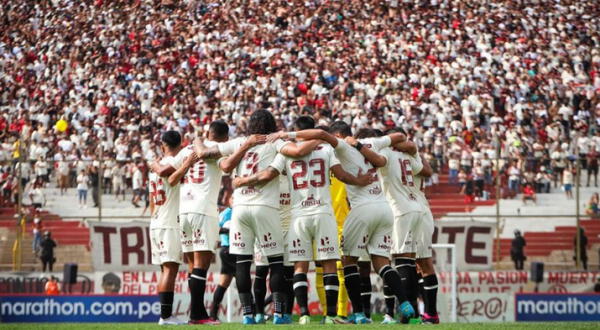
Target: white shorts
{"x": 255, "y": 222}
{"x": 367, "y": 230}
{"x": 425, "y": 236}
{"x": 405, "y": 229}
{"x": 199, "y": 232}
{"x": 165, "y": 244}
{"x": 318, "y": 228}
{"x": 260, "y": 259}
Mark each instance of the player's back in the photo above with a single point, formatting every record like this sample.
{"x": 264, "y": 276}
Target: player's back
{"x": 200, "y": 185}
{"x": 255, "y": 160}
{"x": 165, "y": 199}
{"x": 308, "y": 178}
{"x": 397, "y": 181}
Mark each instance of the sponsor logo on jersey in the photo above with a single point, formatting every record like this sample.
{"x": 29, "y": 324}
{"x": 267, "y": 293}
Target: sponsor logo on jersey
{"x": 311, "y": 201}
{"x": 249, "y": 191}
{"x": 375, "y": 190}
{"x": 324, "y": 245}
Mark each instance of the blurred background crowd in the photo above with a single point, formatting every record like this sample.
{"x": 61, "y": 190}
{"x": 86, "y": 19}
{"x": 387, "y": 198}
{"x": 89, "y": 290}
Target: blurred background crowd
{"x": 469, "y": 80}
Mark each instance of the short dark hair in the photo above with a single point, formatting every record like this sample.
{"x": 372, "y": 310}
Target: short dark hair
{"x": 364, "y": 133}
{"x": 378, "y": 132}
{"x": 172, "y": 139}
{"x": 341, "y": 127}
{"x": 262, "y": 122}
{"x": 304, "y": 122}
{"x": 219, "y": 128}
{"x": 396, "y": 130}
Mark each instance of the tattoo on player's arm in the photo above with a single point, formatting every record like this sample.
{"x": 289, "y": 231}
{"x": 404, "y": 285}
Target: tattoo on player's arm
{"x": 210, "y": 153}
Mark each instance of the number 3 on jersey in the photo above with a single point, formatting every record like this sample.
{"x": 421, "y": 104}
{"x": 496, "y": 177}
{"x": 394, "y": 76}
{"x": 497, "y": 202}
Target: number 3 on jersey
{"x": 407, "y": 173}
{"x": 159, "y": 197}
{"x": 299, "y": 180}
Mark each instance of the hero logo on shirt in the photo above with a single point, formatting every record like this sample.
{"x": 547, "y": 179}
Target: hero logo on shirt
{"x": 387, "y": 242}
{"x": 297, "y": 250}
{"x": 325, "y": 242}
{"x": 236, "y": 237}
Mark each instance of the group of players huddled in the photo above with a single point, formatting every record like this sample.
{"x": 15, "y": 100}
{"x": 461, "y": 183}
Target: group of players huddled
{"x": 282, "y": 212}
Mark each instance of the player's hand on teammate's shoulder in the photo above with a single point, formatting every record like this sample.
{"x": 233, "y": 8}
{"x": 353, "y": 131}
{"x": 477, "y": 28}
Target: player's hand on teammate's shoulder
{"x": 237, "y": 182}
{"x": 191, "y": 159}
{"x": 275, "y": 136}
{"x": 256, "y": 139}
{"x": 365, "y": 179}
{"x": 351, "y": 140}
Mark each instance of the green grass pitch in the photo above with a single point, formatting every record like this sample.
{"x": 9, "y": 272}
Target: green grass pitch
{"x": 232, "y": 326}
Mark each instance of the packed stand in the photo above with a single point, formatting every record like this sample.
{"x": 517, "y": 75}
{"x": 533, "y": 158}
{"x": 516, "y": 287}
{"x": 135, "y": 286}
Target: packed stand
{"x": 464, "y": 78}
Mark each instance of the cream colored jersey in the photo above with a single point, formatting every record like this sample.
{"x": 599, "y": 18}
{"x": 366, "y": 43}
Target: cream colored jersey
{"x": 397, "y": 181}
{"x": 200, "y": 185}
{"x": 418, "y": 188}
{"x": 308, "y": 179}
{"x": 353, "y": 162}
{"x": 165, "y": 199}
{"x": 255, "y": 160}
{"x": 285, "y": 202}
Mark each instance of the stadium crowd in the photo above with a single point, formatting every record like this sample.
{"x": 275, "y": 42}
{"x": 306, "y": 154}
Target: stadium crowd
{"x": 462, "y": 77}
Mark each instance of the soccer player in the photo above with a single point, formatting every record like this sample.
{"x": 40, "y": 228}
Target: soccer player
{"x": 256, "y": 209}
{"x": 164, "y": 229}
{"x": 227, "y": 260}
{"x": 312, "y": 215}
{"x": 369, "y": 223}
{"x": 200, "y": 183}
{"x": 396, "y": 171}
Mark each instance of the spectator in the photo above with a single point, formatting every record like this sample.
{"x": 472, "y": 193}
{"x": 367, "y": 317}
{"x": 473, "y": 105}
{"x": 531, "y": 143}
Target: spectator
{"x": 567, "y": 180}
{"x": 583, "y": 242}
{"x": 52, "y": 287}
{"x": 517, "y": 247}
{"x": 453, "y": 168}
{"x": 592, "y": 167}
{"x": 514, "y": 178}
{"x": 47, "y": 254}
{"x": 592, "y": 206}
{"x": 529, "y": 194}
{"x": 82, "y": 188}
{"x": 543, "y": 181}
{"x": 137, "y": 185}
{"x": 37, "y": 234}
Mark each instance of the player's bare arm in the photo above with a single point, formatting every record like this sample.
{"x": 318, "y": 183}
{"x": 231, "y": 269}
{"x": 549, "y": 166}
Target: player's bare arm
{"x": 396, "y": 138}
{"x": 294, "y": 150}
{"x": 358, "y": 180}
{"x": 408, "y": 147}
{"x": 259, "y": 178}
{"x": 161, "y": 170}
{"x": 204, "y": 152}
{"x": 426, "y": 171}
{"x": 371, "y": 156}
{"x": 175, "y": 178}
{"x": 231, "y": 162}
{"x": 307, "y": 134}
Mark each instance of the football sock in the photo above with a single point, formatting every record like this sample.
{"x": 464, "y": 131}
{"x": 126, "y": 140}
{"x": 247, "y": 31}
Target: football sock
{"x": 217, "y": 299}
{"x": 197, "y": 287}
{"x": 243, "y": 281}
{"x": 332, "y": 287}
{"x": 288, "y": 290}
{"x": 390, "y": 300}
{"x": 260, "y": 288}
{"x": 276, "y": 283}
{"x": 166, "y": 304}
{"x": 301, "y": 292}
{"x": 366, "y": 288}
{"x": 430, "y": 288}
{"x": 393, "y": 281}
{"x": 353, "y": 286}
{"x": 407, "y": 268}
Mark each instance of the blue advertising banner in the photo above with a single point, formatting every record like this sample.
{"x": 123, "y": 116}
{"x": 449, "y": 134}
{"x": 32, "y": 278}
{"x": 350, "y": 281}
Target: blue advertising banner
{"x": 29, "y": 308}
{"x": 557, "y": 307}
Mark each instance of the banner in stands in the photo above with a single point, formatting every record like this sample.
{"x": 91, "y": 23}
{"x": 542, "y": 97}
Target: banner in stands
{"x": 126, "y": 246}
{"x": 35, "y": 283}
{"x": 79, "y": 308}
{"x": 485, "y": 307}
{"x": 473, "y": 241}
{"x": 120, "y": 246}
{"x": 557, "y": 307}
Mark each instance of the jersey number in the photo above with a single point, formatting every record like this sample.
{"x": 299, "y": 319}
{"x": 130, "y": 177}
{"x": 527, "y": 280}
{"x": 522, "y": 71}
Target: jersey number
{"x": 407, "y": 174}
{"x": 159, "y": 197}
{"x": 299, "y": 180}
{"x": 251, "y": 159}
{"x": 195, "y": 174}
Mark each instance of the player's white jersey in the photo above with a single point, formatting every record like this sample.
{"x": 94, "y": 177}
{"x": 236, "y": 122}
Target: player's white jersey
{"x": 353, "y": 161}
{"x": 308, "y": 178}
{"x": 417, "y": 162}
{"x": 255, "y": 160}
{"x": 165, "y": 198}
{"x": 397, "y": 181}
{"x": 285, "y": 202}
{"x": 200, "y": 185}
